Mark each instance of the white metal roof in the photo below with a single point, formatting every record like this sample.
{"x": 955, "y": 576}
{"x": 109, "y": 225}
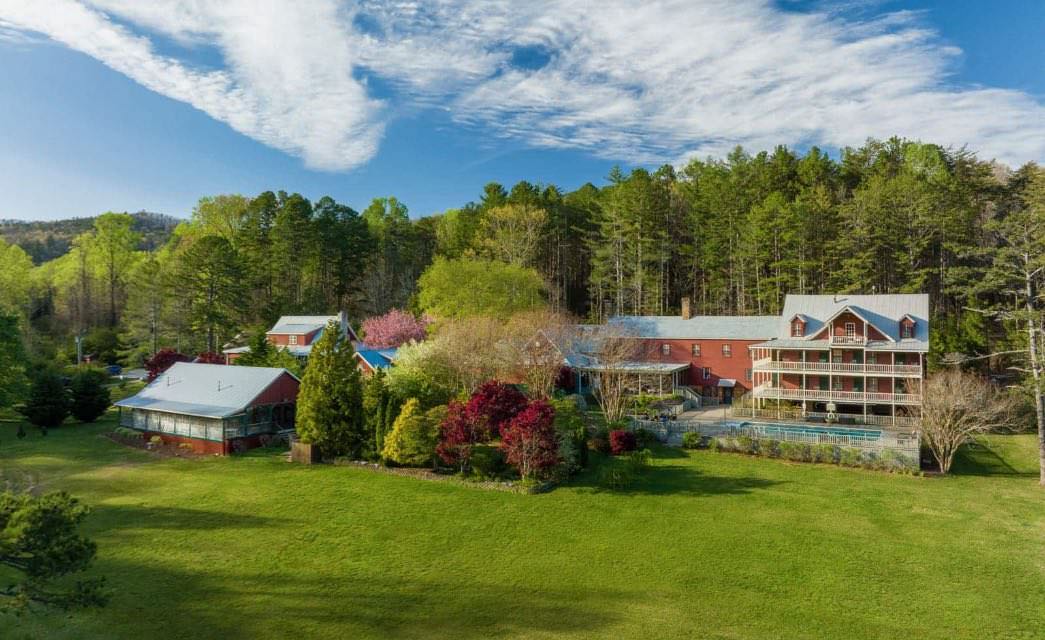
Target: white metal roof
{"x": 884, "y": 311}
{"x": 205, "y": 390}
{"x": 302, "y": 324}
{"x": 701, "y": 327}
{"x": 635, "y": 367}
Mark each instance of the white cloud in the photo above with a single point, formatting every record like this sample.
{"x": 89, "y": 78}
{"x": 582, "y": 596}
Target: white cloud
{"x": 649, "y": 82}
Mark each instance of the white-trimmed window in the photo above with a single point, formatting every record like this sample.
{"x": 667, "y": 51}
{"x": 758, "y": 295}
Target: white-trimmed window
{"x": 796, "y": 329}
{"x": 872, "y": 385}
{"x": 293, "y": 339}
{"x": 665, "y": 349}
{"x": 836, "y": 384}
{"x": 707, "y": 372}
{"x": 907, "y": 330}
{"x": 850, "y": 329}
{"x": 747, "y": 374}
{"x": 695, "y": 349}
{"x": 727, "y": 350}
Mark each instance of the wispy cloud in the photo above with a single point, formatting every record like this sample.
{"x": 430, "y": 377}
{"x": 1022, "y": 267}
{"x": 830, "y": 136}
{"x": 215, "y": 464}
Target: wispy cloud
{"x": 658, "y": 81}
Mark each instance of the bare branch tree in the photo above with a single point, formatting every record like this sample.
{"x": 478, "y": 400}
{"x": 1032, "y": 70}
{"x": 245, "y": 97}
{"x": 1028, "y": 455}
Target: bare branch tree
{"x": 610, "y": 349}
{"x": 958, "y": 407}
{"x": 539, "y": 342}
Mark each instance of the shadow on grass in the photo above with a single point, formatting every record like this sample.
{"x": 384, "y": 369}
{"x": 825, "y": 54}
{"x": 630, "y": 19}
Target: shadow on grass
{"x": 151, "y": 600}
{"x": 177, "y": 519}
{"x": 671, "y": 479}
{"x": 981, "y": 460}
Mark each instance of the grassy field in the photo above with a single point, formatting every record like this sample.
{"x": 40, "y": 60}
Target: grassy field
{"x": 706, "y": 546}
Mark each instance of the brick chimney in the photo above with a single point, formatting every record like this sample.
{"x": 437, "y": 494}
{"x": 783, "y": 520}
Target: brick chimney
{"x": 686, "y": 312}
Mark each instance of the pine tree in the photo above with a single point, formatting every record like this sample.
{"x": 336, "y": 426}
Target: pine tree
{"x": 48, "y": 403}
{"x": 330, "y": 403}
{"x": 375, "y": 397}
{"x": 90, "y": 397}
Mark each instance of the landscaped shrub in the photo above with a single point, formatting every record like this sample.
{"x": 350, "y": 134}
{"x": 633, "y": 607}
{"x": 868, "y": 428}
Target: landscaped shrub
{"x": 645, "y": 438}
{"x": 825, "y": 453}
{"x": 795, "y": 451}
{"x": 714, "y": 444}
{"x": 128, "y": 434}
{"x": 572, "y": 433}
{"x": 413, "y": 438}
{"x": 487, "y": 463}
{"x": 639, "y": 461}
{"x": 745, "y": 444}
{"x": 849, "y": 457}
{"x": 601, "y": 441}
{"x": 494, "y": 404}
{"x": 616, "y": 475}
{"x": 458, "y": 433}
{"x": 529, "y": 440}
{"x": 693, "y": 440}
{"x": 622, "y": 441}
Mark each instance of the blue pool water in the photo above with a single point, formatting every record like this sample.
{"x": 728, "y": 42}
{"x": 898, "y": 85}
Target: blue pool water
{"x": 772, "y": 430}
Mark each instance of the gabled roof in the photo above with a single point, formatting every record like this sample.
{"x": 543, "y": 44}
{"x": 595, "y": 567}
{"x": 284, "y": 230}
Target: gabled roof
{"x": 859, "y": 313}
{"x": 303, "y": 325}
{"x": 377, "y": 358}
{"x": 799, "y": 317}
{"x": 883, "y": 311}
{"x": 701, "y": 327}
{"x": 204, "y": 390}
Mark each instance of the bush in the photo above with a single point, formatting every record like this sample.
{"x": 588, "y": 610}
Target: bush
{"x": 601, "y": 441}
{"x": 128, "y": 434}
{"x": 616, "y": 476}
{"x": 825, "y": 453}
{"x": 645, "y": 438}
{"x": 413, "y": 438}
{"x": 90, "y": 398}
{"x": 157, "y": 440}
{"x": 639, "y": 461}
{"x": 488, "y": 463}
{"x": 693, "y": 440}
{"x": 849, "y": 457}
{"x": 744, "y": 444}
{"x": 795, "y": 451}
{"x": 622, "y": 441}
{"x": 713, "y": 444}
{"x": 530, "y": 442}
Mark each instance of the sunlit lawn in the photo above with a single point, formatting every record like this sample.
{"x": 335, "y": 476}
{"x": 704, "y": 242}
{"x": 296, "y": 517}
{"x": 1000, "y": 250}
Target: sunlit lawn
{"x": 706, "y": 546}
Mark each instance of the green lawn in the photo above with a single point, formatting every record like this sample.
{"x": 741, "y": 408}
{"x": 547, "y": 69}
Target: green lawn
{"x": 707, "y": 546}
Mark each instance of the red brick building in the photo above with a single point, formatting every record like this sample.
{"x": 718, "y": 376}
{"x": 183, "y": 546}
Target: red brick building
{"x": 715, "y": 348}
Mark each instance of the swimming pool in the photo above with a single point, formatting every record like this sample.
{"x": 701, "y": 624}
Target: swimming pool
{"x": 781, "y": 431}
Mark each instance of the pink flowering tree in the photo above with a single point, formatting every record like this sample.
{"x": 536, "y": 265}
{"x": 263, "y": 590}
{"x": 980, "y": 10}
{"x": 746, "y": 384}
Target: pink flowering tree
{"x": 395, "y": 328}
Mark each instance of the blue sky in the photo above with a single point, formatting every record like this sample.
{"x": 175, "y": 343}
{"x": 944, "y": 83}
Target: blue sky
{"x": 118, "y": 105}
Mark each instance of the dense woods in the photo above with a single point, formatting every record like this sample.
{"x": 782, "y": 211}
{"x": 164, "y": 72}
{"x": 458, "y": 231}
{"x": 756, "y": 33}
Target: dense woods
{"x": 736, "y": 235}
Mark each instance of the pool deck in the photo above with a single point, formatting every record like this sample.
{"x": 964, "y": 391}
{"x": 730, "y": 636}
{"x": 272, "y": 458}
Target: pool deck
{"x": 722, "y": 413}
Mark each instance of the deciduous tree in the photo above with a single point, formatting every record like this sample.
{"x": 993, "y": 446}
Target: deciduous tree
{"x": 958, "y": 407}
{"x": 529, "y": 441}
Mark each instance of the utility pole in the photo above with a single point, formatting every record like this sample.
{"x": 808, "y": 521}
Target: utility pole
{"x": 79, "y": 349}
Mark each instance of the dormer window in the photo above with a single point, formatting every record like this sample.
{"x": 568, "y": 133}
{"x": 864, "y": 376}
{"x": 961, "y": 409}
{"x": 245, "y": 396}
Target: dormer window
{"x": 798, "y": 326}
{"x": 293, "y": 339}
{"x": 907, "y": 328}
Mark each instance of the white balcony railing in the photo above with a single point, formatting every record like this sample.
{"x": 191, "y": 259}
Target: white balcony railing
{"x": 827, "y": 395}
{"x": 848, "y": 340}
{"x": 904, "y": 370}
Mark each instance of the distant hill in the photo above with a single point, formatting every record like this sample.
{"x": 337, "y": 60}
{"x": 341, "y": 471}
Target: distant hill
{"x": 48, "y": 239}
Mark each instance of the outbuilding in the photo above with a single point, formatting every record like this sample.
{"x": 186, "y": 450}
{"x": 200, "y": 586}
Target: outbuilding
{"x": 215, "y": 408}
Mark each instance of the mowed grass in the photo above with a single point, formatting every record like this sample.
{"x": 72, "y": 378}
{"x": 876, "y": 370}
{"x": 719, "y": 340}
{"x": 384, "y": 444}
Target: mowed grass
{"x": 706, "y": 546}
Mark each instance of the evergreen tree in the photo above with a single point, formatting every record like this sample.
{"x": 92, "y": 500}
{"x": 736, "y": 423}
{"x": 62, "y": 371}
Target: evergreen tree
{"x": 209, "y": 279}
{"x": 375, "y": 397}
{"x": 414, "y": 435}
{"x": 330, "y": 403}
{"x": 90, "y": 397}
{"x": 48, "y": 402}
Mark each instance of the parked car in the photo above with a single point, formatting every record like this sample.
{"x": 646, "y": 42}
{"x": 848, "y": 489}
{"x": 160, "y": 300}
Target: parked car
{"x": 114, "y": 369}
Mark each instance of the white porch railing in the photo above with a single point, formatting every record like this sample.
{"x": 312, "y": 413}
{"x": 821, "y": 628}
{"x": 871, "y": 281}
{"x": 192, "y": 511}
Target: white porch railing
{"x": 786, "y": 366}
{"x": 858, "y": 397}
